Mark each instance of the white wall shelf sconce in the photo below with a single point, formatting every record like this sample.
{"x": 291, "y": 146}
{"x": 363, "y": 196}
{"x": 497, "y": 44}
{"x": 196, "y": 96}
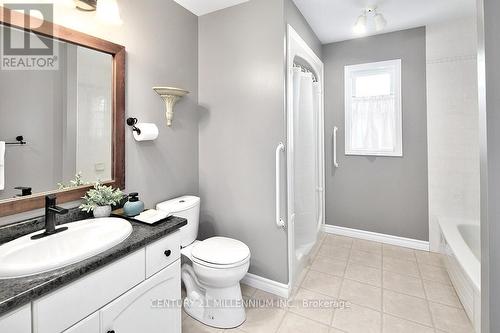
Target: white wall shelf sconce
{"x": 107, "y": 11}
{"x": 170, "y": 96}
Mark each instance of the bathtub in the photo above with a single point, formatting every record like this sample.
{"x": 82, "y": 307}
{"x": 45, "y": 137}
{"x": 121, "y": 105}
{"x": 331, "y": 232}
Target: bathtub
{"x": 461, "y": 245}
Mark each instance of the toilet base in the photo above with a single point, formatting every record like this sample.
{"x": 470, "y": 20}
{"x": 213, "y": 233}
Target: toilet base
{"x": 216, "y": 307}
{"x": 215, "y": 314}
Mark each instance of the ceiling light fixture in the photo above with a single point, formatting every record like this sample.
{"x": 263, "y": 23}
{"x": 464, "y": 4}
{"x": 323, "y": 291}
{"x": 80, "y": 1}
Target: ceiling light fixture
{"x": 380, "y": 22}
{"x": 86, "y": 5}
{"x": 107, "y": 11}
{"x": 361, "y": 25}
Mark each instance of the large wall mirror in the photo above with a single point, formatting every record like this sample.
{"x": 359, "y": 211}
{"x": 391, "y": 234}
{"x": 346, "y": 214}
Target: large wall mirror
{"x": 61, "y": 114}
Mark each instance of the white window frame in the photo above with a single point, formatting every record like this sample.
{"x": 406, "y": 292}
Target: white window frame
{"x": 349, "y": 73}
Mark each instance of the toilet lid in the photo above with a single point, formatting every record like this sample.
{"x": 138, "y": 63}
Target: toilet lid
{"x": 221, "y": 251}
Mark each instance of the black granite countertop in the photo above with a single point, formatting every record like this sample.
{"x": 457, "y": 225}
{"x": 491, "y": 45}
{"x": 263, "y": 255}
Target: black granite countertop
{"x": 19, "y": 291}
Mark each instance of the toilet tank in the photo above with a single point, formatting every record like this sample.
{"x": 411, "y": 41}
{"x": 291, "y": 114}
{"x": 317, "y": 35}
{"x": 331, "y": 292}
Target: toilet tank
{"x": 187, "y": 207}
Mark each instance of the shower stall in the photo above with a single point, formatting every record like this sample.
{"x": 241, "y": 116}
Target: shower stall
{"x": 304, "y": 154}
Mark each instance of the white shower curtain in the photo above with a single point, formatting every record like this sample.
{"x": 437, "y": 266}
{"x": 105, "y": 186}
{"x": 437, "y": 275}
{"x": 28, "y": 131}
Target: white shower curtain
{"x": 306, "y": 97}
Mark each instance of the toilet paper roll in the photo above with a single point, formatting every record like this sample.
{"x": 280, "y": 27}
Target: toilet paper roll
{"x": 149, "y": 132}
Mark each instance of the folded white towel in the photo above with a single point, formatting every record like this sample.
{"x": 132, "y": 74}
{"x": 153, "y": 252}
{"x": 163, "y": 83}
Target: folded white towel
{"x": 2, "y": 165}
{"x": 151, "y": 216}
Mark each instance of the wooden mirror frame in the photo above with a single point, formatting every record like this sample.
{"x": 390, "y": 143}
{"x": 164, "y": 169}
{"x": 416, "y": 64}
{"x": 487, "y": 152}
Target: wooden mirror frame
{"x": 15, "y": 19}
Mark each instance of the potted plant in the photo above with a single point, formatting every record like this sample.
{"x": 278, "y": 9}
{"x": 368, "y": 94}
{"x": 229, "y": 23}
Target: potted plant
{"x": 100, "y": 199}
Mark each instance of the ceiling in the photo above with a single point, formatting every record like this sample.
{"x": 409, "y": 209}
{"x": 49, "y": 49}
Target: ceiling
{"x": 333, "y": 20}
{"x": 202, "y": 7}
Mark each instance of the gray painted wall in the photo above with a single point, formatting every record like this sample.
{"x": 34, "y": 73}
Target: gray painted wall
{"x": 168, "y": 166}
{"x": 242, "y": 96}
{"x": 489, "y": 74}
{"x": 162, "y": 49}
{"x": 241, "y": 84}
{"x": 392, "y": 191}
{"x": 295, "y": 18}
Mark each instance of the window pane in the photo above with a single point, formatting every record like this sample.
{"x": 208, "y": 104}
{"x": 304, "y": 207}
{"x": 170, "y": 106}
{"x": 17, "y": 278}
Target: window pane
{"x": 373, "y": 124}
{"x": 372, "y": 85}
{"x": 373, "y": 111}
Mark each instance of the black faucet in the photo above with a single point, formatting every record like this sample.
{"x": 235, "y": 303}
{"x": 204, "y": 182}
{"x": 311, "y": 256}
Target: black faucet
{"x": 51, "y": 210}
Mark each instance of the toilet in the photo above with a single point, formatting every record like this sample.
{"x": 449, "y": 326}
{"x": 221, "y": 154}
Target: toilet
{"x": 213, "y": 270}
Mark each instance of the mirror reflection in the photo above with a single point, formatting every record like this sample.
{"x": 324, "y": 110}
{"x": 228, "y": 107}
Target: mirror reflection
{"x": 56, "y": 123}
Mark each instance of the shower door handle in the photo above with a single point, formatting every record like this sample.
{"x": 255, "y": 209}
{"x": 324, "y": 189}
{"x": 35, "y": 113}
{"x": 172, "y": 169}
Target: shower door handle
{"x": 335, "y": 163}
{"x": 279, "y": 221}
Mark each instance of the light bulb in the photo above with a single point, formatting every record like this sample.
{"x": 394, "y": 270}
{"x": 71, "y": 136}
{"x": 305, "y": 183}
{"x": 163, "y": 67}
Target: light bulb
{"x": 380, "y": 22}
{"x": 108, "y": 12}
{"x": 360, "y": 25}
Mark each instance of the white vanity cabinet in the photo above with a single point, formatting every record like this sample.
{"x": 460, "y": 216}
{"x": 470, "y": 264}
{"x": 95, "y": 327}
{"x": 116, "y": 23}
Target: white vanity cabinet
{"x": 17, "y": 321}
{"x": 146, "y": 308}
{"x": 88, "y": 325}
{"x": 129, "y": 295}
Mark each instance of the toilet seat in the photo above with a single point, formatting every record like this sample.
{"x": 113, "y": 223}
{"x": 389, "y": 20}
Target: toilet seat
{"x": 218, "y": 266}
{"x": 218, "y": 252}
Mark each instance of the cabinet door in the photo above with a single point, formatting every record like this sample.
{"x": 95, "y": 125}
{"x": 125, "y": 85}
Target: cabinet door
{"x": 88, "y": 325}
{"x": 68, "y": 305}
{"x": 17, "y": 321}
{"x": 144, "y": 308}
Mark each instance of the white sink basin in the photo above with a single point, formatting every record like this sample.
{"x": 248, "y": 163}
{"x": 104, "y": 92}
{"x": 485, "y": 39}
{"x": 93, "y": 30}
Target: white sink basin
{"x": 84, "y": 239}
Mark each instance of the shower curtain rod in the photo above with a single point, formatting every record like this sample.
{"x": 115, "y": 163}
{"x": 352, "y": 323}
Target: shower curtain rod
{"x": 305, "y": 70}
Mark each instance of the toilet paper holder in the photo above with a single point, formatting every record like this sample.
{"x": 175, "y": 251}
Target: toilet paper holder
{"x": 131, "y": 122}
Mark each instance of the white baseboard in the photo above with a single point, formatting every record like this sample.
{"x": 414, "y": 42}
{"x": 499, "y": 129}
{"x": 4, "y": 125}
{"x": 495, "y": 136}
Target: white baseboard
{"x": 270, "y": 286}
{"x": 376, "y": 237}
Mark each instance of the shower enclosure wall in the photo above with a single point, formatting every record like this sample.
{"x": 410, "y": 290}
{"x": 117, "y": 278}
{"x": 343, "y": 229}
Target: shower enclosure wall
{"x": 305, "y": 152}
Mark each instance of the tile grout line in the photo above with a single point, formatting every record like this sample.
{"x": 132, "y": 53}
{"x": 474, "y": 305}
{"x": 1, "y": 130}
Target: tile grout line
{"x": 382, "y": 294}
{"x": 343, "y": 278}
{"x": 461, "y": 307}
{"x": 342, "y": 282}
{"x": 399, "y": 317}
{"x": 338, "y": 296}
{"x": 311, "y": 319}
{"x": 427, "y": 298}
{"x": 281, "y": 322}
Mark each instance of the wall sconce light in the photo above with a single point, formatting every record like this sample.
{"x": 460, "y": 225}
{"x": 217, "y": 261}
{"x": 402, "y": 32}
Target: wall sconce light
{"x": 86, "y": 5}
{"x": 106, "y": 10}
{"x": 170, "y": 96}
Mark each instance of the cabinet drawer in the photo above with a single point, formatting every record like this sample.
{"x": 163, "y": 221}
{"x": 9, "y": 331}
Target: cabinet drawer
{"x": 68, "y": 305}
{"x": 17, "y": 321}
{"x": 162, "y": 253}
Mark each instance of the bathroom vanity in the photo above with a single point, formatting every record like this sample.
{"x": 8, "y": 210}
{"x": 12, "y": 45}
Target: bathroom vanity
{"x": 133, "y": 287}
{"x": 77, "y": 280}
{"x": 66, "y": 283}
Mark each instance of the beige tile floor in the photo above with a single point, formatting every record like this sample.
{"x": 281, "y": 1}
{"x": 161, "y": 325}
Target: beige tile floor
{"x": 389, "y": 289}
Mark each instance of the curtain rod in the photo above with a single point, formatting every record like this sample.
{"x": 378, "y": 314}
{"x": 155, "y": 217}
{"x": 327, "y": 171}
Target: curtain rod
{"x": 306, "y": 70}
